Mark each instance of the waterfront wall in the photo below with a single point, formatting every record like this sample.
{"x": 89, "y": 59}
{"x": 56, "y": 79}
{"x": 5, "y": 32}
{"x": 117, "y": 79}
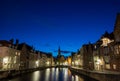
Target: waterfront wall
{"x": 101, "y": 76}
{"x": 12, "y": 73}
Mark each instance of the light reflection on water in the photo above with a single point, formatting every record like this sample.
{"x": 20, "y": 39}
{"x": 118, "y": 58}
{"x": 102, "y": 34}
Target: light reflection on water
{"x": 47, "y": 74}
{"x": 36, "y": 76}
{"x": 51, "y": 74}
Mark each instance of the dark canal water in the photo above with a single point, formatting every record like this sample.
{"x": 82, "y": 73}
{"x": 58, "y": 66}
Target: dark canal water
{"x": 51, "y": 74}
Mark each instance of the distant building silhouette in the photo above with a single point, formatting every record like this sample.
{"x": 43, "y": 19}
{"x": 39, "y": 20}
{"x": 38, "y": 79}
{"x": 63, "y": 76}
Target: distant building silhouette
{"x": 60, "y": 58}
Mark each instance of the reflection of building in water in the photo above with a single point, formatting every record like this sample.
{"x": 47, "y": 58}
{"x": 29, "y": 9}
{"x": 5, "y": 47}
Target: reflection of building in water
{"x": 47, "y": 74}
{"x": 77, "y": 78}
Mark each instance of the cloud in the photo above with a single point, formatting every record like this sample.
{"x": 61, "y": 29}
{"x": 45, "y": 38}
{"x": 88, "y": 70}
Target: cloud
{"x": 47, "y": 45}
{"x": 64, "y": 51}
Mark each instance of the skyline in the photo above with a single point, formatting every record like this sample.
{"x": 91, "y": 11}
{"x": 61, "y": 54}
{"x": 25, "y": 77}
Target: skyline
{"x": 49, "y": 24}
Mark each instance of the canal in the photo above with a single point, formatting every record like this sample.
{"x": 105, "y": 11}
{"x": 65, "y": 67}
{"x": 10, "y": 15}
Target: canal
{"x": 51, "y": 74}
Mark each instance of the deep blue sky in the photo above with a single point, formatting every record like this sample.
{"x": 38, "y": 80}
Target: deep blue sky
{"x": 48, "y": 24}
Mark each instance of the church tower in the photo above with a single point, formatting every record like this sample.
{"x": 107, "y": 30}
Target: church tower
{"x": 116, "y": 31}
{"x": 59, "y": 52}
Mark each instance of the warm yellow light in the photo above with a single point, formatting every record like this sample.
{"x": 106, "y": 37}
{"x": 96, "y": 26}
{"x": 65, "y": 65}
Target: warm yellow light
{"x": 106, "y": 41}
{"x": 5, "y": 60}
{"x": 76, "y": 62}
{"x": 37, "y": 63}
{"x": 72, "y": 63}
{"x": 19, "y": 53}
{"x": 98, "y": 61}
{"x": 47, "y": 62}
{"x": 65, "y": 63}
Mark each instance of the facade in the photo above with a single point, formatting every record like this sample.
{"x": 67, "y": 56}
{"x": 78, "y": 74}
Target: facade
{"x": 22, "y": 56}
{"x": 46, "y": 59}
{"x": 9, "y": 56}
{"x": 68, "y": 61}
{"x": 104, "y": 54}
{"x": 76, "y": 61}
{"x": 88, "y": 57}
{"x": 26, "y": 52}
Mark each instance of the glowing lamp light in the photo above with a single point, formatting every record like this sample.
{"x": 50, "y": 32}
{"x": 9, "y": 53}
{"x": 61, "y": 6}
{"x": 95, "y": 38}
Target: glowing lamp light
{"x": 98, "y": 61}
{"x": 5, "y": 60}
{"x": 48, "y": 63}
{"x": 37, "y": 63}
{"x": 65, "y": 63}
{"x": 76, "y": 62}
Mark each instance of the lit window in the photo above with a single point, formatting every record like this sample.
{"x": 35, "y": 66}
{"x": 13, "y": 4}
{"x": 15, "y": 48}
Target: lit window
{"x": 5, "y": 60}
{"x": 15, "y": 53}
{"x": 95, "y": 47}
{"x": 114, "y": 66}
{"x": 19, "y": 53}
{"x": 107, "y": 66}
{"x": 15, "y": 58}
{"x": 106, "y": 41}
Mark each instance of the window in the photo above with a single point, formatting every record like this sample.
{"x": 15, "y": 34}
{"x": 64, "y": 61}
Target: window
{"x": 15, "y": 58}
{"x": 19, "y": 53}
{"x": 15, "y": 53}
{"x": 107, "y": 66}
{"x": 95, "y": 47}
{"x": 114, "y": 66}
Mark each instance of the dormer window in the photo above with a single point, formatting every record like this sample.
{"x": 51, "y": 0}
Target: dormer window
{"x": 106, "y": 41}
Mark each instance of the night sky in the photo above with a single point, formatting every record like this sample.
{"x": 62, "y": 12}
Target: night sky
{"x": 48, "y": 24}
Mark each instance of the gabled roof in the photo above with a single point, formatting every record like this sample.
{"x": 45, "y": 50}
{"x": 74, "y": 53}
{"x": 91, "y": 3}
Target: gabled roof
{"x": 108, "y": 35}
{"x": 47, "y": 54}
{"x": 22, "y": 44}
{"x": 5, "y": 43}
